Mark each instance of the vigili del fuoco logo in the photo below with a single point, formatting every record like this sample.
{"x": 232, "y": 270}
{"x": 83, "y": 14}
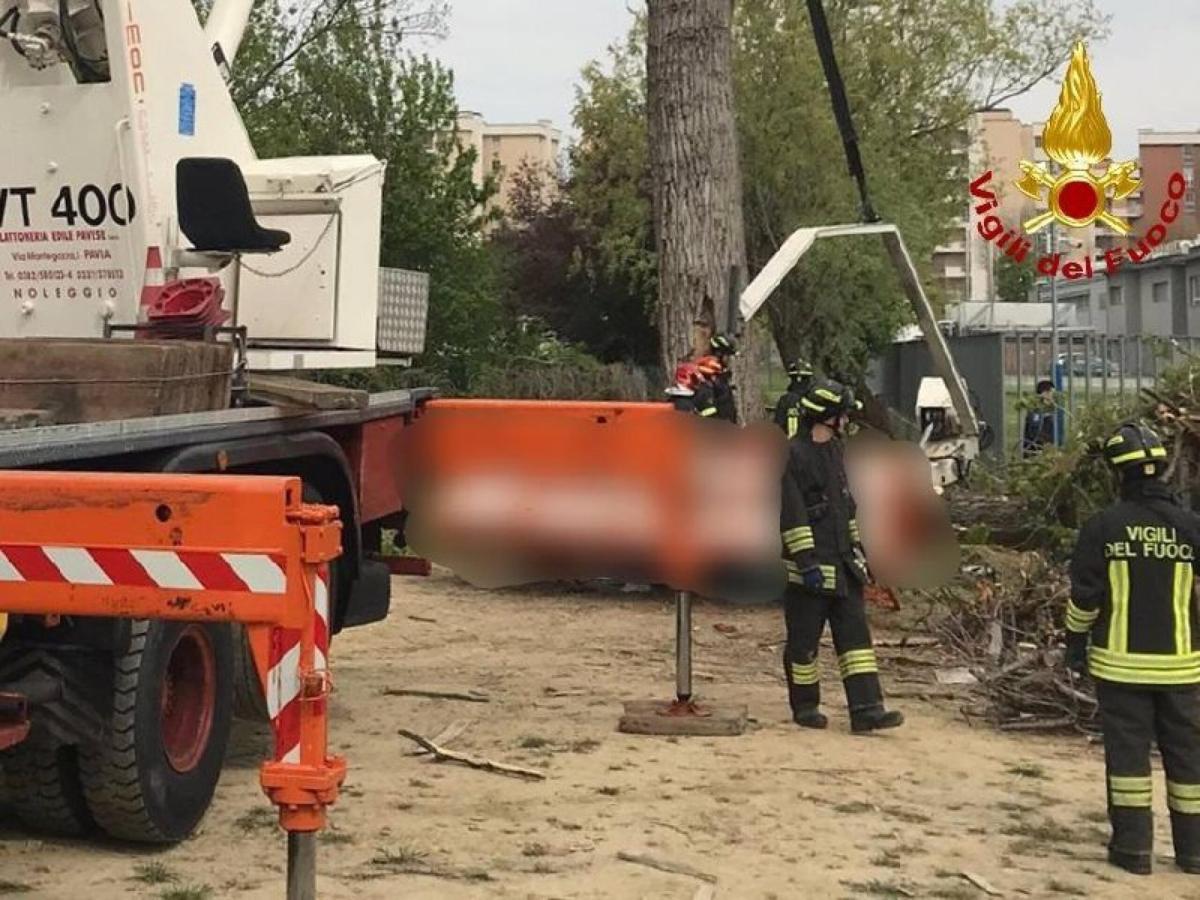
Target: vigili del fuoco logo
{"x": 1080, "y": 193}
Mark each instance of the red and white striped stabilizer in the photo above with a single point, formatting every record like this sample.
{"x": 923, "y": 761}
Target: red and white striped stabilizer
{"x": 152, "y": 282}
{"x": 181, "y": 570}
{"x": 284, "y": 683}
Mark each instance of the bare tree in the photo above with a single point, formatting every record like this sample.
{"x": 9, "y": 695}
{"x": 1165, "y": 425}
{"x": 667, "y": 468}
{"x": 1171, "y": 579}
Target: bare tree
{"x": 301, "y": 25}
{"x": 696, "y": 173}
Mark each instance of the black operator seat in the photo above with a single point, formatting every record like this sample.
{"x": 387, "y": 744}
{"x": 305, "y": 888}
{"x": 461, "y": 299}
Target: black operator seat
{"x": 215, "y": 212}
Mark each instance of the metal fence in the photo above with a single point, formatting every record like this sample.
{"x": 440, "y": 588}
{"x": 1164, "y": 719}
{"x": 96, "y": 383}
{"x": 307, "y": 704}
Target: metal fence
{"x": 1003, "y": 369}
{"x": 1091, "y": 367}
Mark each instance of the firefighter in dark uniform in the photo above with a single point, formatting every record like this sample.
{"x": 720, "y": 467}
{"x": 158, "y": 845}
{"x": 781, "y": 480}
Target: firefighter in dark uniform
{"x": 1131, "y": 593}
{"x": 717, "y": 388}
{"x": 826, "y": 568}
{"x": 723, "y": 349}
{"x": 787, "y": 410}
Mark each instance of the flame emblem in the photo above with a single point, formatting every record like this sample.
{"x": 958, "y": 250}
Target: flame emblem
{"x": 1078, "y": 138}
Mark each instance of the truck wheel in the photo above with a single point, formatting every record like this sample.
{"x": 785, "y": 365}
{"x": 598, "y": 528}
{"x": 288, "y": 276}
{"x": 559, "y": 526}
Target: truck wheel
{"x": 249, "y": 702}
{"x": 42, "y": 786}
{"x": 153, "y": 775}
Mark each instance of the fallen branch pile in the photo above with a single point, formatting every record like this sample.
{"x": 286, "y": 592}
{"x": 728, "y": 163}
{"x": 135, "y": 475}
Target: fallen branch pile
{"x": 1002, "y": 619}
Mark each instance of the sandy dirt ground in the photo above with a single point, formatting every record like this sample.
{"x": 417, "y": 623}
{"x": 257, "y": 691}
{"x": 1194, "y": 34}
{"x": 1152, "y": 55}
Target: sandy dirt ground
{"x": 777, "y": 813}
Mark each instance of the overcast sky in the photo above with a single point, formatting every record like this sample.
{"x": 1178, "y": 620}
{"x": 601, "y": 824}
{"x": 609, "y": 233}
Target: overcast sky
{"x": 519, "y": 61}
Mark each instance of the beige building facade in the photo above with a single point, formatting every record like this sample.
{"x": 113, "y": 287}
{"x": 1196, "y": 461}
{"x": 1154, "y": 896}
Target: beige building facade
{"x": 966, "y": 264}
{"x": 502, "y": 149}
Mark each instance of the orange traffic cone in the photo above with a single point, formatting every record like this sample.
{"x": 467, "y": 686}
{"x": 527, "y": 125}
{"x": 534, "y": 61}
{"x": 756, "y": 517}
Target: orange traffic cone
{"x": 152, "y": 282}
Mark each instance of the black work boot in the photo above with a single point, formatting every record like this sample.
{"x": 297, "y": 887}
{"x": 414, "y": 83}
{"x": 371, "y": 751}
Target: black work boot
{"x": 1134, "y": 863}
{"x": 1189, "y": 864}
{"x": 810, "y": 718}
{"x": 875, "y": 719}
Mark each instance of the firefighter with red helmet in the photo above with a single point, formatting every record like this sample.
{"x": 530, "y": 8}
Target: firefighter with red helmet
{"x": 826, "y": 567}
{"x": 692, "y": 391}
{"x": 1132, "y": 599}
{"x": 719, "y": 360}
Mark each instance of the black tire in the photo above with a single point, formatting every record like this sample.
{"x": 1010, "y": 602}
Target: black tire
{"x": 133, "y": 789}
{"x": 42, "y": 787}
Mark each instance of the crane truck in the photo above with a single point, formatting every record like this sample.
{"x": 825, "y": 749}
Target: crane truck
{"x": 134, "y": 212}
{"x": 132, "y": 205}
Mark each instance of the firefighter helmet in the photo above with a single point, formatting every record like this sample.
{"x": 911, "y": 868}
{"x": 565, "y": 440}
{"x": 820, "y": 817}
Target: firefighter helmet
{"x": 798, "y": 369}
{"x": 1135, "y": 450}
{"x": 723, "y": 345}
{"x": 826, "y": 399}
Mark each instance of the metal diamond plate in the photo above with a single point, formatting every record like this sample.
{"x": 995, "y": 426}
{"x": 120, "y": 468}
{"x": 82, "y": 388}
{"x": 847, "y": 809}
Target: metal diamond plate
{"x": 403, "y": 311}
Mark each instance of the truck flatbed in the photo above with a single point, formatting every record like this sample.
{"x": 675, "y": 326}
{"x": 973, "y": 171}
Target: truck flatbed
{"x": 46, "y": 446}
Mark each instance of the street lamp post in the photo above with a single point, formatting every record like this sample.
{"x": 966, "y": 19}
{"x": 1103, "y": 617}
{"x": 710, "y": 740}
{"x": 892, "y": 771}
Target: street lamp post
{"x": 1054, "y": 376}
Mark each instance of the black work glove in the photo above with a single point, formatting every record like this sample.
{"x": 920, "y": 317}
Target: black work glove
{"x": 812, "y": 578}
{"x": 1077, "y": 655}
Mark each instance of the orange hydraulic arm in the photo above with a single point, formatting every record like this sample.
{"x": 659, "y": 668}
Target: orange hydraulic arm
{"x": 195, "y": 548}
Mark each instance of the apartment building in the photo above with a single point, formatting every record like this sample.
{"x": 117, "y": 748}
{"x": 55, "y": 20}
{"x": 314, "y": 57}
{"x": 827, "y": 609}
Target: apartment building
{"x": 501, "y": 149}
{"x": 997, "y": 140}
{"x": 1162, "y": 154}
{"x": 1159, "y": 297}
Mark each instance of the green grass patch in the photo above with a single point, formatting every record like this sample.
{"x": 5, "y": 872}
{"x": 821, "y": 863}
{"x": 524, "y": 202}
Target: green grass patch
{"x": 878, "y": 888}
{"x": 905, "y": 815}
{"x": 187, "y": 892}
{"x": 153, "y": 873}
{"x": 1062, "y": 887}
{"x": 1046, "y": 831}
{"x": 1027, "y": 770}
{"x": 400, "y": 856}
{"x": 854, "y": 808}
{"x": 260, "y": 818}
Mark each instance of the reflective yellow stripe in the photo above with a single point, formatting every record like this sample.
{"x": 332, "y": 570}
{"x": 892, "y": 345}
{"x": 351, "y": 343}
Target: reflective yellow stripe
{"x": 1183, "y": 791}
{"x": 1151, "y": 661}
{"x": 857, "y": 662}
{"x": 827, "y": 395}
{"x": 1128, "y": 457}
{"x": 1140, "y": 800}
{"x": 1130, "y": 782}
{"x": 1080, "y": 620}
{"x": 793, "y": 422}
{"x": 1144, "y": 668}
{"x": 829, "y": 573}
{"x": 709, "y": 411}
{"x": 1183, "y": 608}
{"x": 1187, "y": 807}
{"x": 805, "y": 674}
{"x": 808, "y": 404}
{"x": 1158, "y": 451}
{"x": 1118, "y": 623}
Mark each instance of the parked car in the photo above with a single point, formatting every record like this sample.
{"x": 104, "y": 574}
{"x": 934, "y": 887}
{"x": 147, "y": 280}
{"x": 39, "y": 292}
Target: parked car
{"x": 1082, "y": 366}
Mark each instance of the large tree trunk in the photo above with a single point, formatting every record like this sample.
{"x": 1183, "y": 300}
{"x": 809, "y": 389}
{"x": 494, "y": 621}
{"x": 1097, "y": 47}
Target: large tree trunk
{"x": 697, "y": 178}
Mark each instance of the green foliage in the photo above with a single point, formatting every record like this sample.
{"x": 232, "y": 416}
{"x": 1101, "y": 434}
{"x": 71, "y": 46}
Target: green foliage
{"x": 914, "y": 73}
{"x": 1060, "y": 489}
{"x": 337, "y": 80}
{"x": 1014, "y": 281}
{"x": 557, "y": 271}
{"x": 610, "y": 186}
